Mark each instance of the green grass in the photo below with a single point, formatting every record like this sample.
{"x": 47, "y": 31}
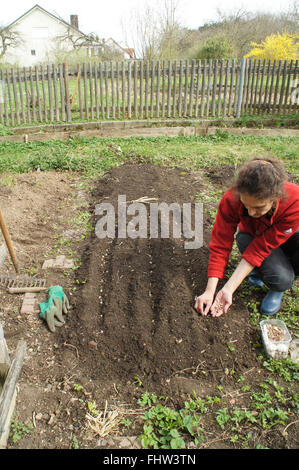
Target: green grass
{"x": 93, "y": 156}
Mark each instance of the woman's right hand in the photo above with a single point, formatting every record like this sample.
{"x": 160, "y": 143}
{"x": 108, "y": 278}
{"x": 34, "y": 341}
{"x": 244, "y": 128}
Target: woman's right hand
{"x": 204, "y": 302}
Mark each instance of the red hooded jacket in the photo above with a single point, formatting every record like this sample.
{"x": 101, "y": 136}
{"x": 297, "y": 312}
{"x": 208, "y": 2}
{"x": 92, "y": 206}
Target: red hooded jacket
{"x": 269, "y": 233}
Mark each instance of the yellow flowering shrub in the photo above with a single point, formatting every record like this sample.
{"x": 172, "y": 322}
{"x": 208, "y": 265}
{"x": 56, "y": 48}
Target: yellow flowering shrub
{"x": 276, "y": 46}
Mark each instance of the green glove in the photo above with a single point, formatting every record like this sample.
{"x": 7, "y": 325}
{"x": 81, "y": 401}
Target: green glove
{"x": 52, "y": 309}
{"x": 59, "y": 298}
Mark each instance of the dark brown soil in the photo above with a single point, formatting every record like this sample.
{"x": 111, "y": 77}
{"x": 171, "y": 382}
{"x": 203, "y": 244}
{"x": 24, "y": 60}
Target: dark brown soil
{"x": 133, "y": 328}
{"x": 137, "y": 302}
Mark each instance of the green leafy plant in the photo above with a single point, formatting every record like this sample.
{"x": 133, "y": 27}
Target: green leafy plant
{"x": 166, "y": 428}
{"x": 19, "y": 429}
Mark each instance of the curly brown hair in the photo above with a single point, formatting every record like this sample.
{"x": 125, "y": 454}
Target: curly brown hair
{"x": 262, "y": 178}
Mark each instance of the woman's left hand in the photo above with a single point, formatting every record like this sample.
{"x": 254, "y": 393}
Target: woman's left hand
{"x": 223, "y": 301}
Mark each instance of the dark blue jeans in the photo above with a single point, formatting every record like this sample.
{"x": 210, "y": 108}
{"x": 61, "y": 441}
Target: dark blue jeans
{"x": 279, "y": 269}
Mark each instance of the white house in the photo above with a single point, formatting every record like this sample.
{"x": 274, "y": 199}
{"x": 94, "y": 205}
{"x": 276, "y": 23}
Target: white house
{"x": 40, "y": 35}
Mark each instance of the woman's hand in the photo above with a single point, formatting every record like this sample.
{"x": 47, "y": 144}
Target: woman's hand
{"x": 223, "y": 301}
{"x": 204, "y": 302}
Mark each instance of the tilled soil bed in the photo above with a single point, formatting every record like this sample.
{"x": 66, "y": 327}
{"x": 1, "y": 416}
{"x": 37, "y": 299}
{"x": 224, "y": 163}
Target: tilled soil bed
{"x": 132, "y": 327}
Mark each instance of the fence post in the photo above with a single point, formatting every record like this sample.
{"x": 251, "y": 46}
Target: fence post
{"x": 241, "y": 86}
{"x": 67, "y": 93}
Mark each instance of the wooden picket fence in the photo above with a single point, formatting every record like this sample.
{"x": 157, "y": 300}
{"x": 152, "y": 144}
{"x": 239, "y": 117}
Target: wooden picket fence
{"x": 138, "y": 89}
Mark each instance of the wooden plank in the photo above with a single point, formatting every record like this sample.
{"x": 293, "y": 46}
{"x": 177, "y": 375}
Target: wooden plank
{"x": 5, "y": 97}
{"x": 50, "y": 93}
{"x": 174, "y": 99}
{"x": 102, "y": 90}
{"x": 277, "y": 87}
{"x": 62, "y": 98}
{"x": 244, "y": 95}
{"x": 152, "y": 88}
{"x": 67, "y": 92}
{"x": 220, "y": 88}
{"x": 117, "y": 91}
{"x": 163, "y": 89}
{"x": 107, "y": 91}
{"x": 129, "y": 90}
{"x": 283, "y": 86}
{"x": 85, "y": 91}
{"x": 256, "y": 87}
{"x": 247, "y": 86}
{"x": 253, "y": 77}
{"x": 21, "y": 95}
{"x": 12, "y": 114}
{"x": 38, "y": 97}
{"x": 287, "y": 87}
{"x": 158, "y": 89}
{"x": 169, "y": 71}
{"x": 135, "y": 90}
{"x": 197, "y": 87}
{"x": 141, "y": 89}
{"x": 80, "y": 91}
{"x": 261, "y": 91}
{"x": 44, "y": 95}
{"x": 264, "y": 103}
{"x": 180, "y": 100}
{"x": 191, "y": 88}
{"x": 32, "y": 96}
{"x": 112, "y": 89}
{"x": 225, "y": 86}
{"x": 123, "y": 89}
{"x": 96, "y": 90}
{"x": 146, "y": 88}
{"x": 56, "y": 100}
{"x": 294, "y": 94}
{"x": 203, "y": 89}
{"x": 9, "y": 388}
{"x": 215, "y": 67}
{"x": 272, "y": 85}
{"x": 186, "y": 87}
{"x": 209, "y": 86}
{"x": 91, "y": 91}
{"x": 27, "y": 93}
{"x": 15, "y": 94}
{"x": 2, "y": 99}
{"x": 236, "y": 89}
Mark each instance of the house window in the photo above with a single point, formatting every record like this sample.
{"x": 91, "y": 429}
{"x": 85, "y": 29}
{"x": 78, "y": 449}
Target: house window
{"x": 40, "y": 33}
{"x": 33, "y": 52}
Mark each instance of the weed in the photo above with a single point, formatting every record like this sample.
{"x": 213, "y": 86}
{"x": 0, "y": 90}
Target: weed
{"x": 19, "y": 429}
{"x": 92, "y": 408}
{"x": 222, "y": 417}
{"x": 285, "y": 368}
{"x": 138, "y": 381}
{"x": 147, "y": 399}
{"x": 75, "y": 443}
{"x": 164, "y": 428}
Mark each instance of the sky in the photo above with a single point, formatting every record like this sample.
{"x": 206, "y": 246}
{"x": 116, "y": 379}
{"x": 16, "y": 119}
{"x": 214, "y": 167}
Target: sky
{"x": 106, "y": 17}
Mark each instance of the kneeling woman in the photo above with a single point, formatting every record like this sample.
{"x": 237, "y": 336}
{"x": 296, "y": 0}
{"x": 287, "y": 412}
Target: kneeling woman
{"x": 264, "y": 207}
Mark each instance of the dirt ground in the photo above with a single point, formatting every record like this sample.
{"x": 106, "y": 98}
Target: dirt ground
{"x": 132, "y": 327}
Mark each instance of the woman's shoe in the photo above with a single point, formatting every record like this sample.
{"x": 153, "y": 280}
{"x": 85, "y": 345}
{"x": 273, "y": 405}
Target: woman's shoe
{"x": 271, "y": 302}
{"x": 254, "y": 279}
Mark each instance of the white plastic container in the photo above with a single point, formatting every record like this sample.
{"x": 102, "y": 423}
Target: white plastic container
{"x": 276, "y": 338}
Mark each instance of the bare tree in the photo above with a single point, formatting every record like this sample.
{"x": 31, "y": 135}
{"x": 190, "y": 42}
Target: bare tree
{"x": 153, "y": 29}
{"x": 8, "y": 38}
{"x": 76, "y": 40}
